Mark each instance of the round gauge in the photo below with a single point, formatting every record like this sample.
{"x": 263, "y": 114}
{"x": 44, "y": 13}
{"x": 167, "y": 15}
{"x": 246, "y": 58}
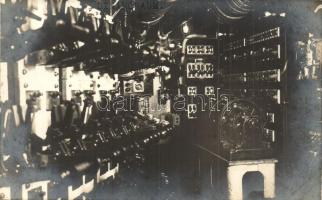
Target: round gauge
{"x": 138, "y": 86}
{"x": 241, "y": 124}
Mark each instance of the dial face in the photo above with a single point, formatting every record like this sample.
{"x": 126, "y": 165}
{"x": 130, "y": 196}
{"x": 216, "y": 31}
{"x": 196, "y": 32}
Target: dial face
{"x": 138, "y": 87}
{"x": 241, "y": 124}
{"x": 150, "y": 11}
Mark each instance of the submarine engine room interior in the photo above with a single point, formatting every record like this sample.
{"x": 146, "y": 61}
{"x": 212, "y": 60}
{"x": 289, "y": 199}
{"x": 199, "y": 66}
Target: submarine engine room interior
{"x": 161, "y": 99}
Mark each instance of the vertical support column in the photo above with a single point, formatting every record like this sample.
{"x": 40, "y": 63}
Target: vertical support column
{"x": 235, "y": 182}
{"x": 63, "y": 84}
{"x": 3, "y": 82}
{"x": 13, "y": 83}
{"x": 268, "y": 171}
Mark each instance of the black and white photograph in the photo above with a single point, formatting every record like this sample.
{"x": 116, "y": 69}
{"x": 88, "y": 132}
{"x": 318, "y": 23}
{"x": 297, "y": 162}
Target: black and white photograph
{"x": 161, "y": 100}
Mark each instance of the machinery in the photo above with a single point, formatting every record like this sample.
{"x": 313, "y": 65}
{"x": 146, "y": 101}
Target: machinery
{"x": 94, "y": 89}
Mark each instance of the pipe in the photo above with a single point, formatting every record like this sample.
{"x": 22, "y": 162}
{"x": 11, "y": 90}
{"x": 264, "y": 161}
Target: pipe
{"x": 231, "y": 10}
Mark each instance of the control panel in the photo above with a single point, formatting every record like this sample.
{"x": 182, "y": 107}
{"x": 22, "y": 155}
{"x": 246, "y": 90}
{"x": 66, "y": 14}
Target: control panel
{"x": 253, "y": 66}
{"x": 257, "y": 52}
{"x": 138, "y": 83}
{"x": 200, "y": 50}
{"x": 132, "y": 86}
{"x": 199, "y": 70}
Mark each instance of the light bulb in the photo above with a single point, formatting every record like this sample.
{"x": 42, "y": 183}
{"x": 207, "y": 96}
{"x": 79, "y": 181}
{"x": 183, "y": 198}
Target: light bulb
{"x": 185, "y": 28}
